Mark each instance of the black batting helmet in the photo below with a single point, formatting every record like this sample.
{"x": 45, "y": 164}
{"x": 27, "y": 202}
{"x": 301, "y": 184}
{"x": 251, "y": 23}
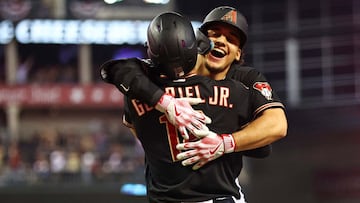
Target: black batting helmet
{"x": 172, "y": 44}
{"x": 230, "y": 16}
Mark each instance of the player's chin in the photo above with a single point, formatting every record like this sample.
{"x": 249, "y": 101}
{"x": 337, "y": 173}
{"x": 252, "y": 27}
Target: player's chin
{"x": 215, "y": 66}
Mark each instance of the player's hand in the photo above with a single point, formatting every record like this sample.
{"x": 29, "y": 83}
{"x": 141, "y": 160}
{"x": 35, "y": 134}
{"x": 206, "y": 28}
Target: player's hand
{"x": 180, "y": 113}
{"x": 206, "y": 149}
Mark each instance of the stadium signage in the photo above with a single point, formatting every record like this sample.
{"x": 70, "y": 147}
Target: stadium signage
{"x": 61, "y": 95}
{"x": 46, "y": 31}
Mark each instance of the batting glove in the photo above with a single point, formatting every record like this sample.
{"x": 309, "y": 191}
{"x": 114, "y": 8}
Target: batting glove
{"x": 206, "y": 149}
{"x": 180, "y": 113}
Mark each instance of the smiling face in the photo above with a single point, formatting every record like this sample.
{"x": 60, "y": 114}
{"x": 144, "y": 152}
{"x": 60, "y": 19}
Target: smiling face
{"x": 226, "y": 49}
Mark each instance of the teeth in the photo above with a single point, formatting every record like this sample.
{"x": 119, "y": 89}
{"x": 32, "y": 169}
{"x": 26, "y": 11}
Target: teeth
{"x": 220, "y": 50}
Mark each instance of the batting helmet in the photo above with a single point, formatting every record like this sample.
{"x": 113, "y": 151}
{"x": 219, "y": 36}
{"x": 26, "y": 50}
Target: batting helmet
{"x": 172, "y": 44}
{"x": 230, "y": 16}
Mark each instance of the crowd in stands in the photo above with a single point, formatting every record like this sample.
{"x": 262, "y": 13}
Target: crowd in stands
{"x": 51, "y": 156}
{"x": 30, "y": 73}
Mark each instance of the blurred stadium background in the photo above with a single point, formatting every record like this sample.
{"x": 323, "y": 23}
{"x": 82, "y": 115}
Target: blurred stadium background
{"x": 61, "y": 137}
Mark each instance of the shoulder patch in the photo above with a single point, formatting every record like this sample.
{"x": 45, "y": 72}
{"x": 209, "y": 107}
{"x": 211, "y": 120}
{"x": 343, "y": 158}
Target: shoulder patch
{"x": 264, "y": 88}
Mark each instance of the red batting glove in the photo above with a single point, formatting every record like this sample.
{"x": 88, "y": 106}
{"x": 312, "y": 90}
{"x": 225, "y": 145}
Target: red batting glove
{"x": 206, "y": 149}
{"x": 180, "y": 113}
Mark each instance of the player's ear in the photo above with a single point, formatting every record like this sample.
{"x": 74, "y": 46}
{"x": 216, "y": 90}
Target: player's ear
{"x": 238, "y": 55}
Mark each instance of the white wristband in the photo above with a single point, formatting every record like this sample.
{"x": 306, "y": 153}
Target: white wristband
{"x": 229, "y": 143}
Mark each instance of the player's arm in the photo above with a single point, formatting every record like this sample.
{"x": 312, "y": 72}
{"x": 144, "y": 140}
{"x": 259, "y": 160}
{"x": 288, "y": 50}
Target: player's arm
{"x": 270, "y": 126}
{"x": 131, "y": 77}
{"x": 251, "y": 140}
{"x": 275, "y": 123}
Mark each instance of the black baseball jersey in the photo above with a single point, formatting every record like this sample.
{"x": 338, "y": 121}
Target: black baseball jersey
{"x": 229, "y": 103}
{"x": 131, "y": 77}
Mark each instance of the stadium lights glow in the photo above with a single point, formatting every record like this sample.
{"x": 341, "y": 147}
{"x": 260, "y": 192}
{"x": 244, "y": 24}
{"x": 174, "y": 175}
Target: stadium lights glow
{"x": 7, "y": 31}
{"x": 157, "y": 1}
{"x": 111, "y": 1}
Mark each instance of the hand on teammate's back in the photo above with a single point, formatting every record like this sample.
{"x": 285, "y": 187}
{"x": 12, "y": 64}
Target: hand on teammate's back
{"x": 206, "y": 149}
{"x": 180, "y": 113}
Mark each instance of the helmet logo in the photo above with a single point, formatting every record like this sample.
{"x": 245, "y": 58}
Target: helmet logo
{"x": 230, "y": 16}
{"x": 264, "y": 88}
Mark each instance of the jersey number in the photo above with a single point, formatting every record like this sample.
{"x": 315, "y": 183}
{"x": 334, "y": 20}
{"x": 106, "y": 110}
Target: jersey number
{"x": 172, "y": 135}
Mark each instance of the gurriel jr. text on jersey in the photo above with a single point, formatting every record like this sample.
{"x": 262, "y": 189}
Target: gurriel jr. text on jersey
{"x": 220, "y": 97}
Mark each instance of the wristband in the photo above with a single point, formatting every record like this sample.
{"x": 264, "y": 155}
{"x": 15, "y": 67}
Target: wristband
{"x": 229, "y": 143}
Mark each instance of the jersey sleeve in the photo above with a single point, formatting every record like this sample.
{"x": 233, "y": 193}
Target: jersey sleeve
{"x": 248, "y": 76}
{"x": 262, "y": 95}
{"x": 262, "y": 98}
{"x": 245, "y": 74}
{"x": 131, "y": 77}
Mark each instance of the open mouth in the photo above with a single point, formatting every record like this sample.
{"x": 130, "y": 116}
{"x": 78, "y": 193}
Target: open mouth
{"x": 218, "y": 53}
